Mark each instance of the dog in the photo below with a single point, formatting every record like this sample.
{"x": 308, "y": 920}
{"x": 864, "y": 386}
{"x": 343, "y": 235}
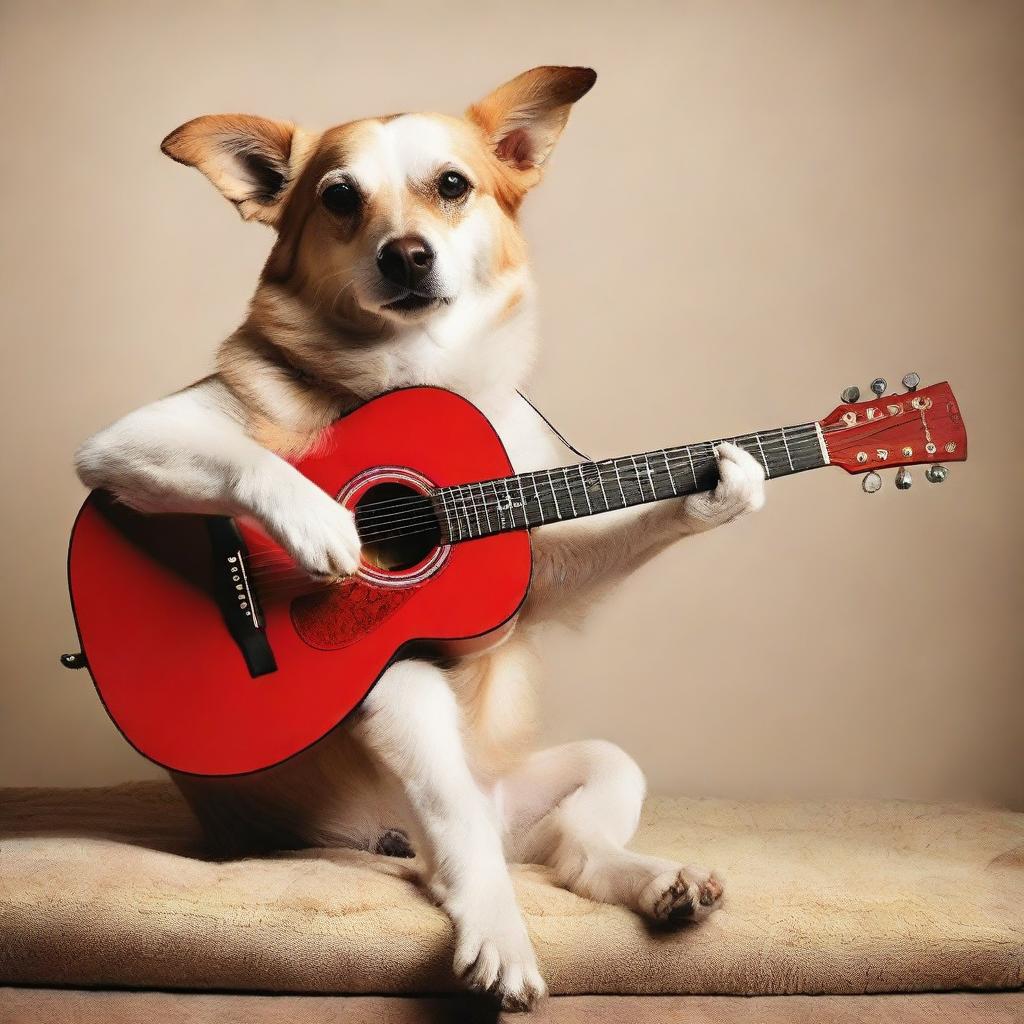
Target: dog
{"x": 399, "y": 260}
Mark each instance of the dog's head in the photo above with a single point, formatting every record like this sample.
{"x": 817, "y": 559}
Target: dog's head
{"x": 391, "y": 217}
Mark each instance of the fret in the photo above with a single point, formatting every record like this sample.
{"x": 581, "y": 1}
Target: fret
{"x": 471, "y": 507}
{"x": 540, "y": 504}
{"x": 636, "y": 473}
{"x": 650, "y": 476}
{"x": 586, "y": 490}
{"x": 479, "y": 525}
{"x": 618, "y": 479}
{"x": 453, "y": 494}
{"x": 778, "y": 463}
{"x": 789, "y": 454}
{"x": 450, "y": 524}
{"x": 764, "y": 460}
{"x": 693, "y": 470}
{"x": 479, "y": 504}
{"x": 512, "y": 505}
{"x": 493, "y": 506}
{"x": 568, "y": 488}
{"x": 604, "y": 493}
{"x": 461, "y": 519}
{"x": 551, "y": 485}
{"x": 498, "y": 510}
{"x": 668, "y": 470}
{"x": 523, "y": 503}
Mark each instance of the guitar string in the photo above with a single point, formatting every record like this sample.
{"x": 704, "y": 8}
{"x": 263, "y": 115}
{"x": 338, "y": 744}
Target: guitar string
{"x": 558, "y": 476}
{"x": 265, "y": 571}
{"x": 397, "y": 525}
{"x": 769, "y": 438}
{"x": 303, "y": 580}
{"x": 272, "y": 580}
{"x": 772, "y": 436}
{"x": 563, "y": 487}
{"x": 775, "y": 441}
{"x": 558, "y": 481}
{"x": 674, "y": 455}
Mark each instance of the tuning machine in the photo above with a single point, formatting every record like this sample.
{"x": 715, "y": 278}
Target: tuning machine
{"x": 911, "y": 380}
{"x": 936, "y": 474}
{"x": 850, "y": 395}
{"x": 878, "y": 386}
{"x": 904, "y": 480}
{"x": 871, "y": 482}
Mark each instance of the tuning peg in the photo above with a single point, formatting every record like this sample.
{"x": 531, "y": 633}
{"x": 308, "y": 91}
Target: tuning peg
{"x": 872, "y": 482}
{"x": 911, "y": 380}
{"x": 878, "y": 385}
{"x": 935, "y": 474}
{"x": 904, "y": 479}
{"x": 850, "y": 395}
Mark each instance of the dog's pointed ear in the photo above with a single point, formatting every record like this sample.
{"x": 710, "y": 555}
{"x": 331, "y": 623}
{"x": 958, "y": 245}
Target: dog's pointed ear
{"x": 251, "y": 160}
{"x": 523, "y": 119}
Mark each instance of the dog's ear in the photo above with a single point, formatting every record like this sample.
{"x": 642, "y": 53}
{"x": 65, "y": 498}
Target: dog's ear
{"x": 523, "y": 119}
{"x": 251, "y": 160}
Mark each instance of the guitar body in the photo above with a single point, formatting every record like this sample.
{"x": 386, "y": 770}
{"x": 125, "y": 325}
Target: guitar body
{"x": 166, "y": 615}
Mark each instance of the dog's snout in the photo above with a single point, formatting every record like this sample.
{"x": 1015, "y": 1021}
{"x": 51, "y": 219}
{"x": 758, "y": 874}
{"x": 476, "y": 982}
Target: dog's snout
{"x": 406, "y": 261}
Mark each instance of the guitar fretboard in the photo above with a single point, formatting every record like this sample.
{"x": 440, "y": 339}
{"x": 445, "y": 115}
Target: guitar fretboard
{"x": 528, "y": 500}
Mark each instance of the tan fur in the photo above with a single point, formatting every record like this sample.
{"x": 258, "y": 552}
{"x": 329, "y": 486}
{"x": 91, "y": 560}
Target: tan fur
{"x": 498, "y": 700}
{"x": 512, "y": 304}
{"x": 308, "y": 352}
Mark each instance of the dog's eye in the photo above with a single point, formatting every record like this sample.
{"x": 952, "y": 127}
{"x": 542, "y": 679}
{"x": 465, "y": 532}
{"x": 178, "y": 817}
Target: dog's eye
{"x": 452, "y": 185}
{"x": 341, "y": 198}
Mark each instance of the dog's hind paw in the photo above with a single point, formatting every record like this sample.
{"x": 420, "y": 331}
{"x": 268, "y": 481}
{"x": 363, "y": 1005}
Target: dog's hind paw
{"x": 684, "y": 894}
{"x": 394, "y": 843}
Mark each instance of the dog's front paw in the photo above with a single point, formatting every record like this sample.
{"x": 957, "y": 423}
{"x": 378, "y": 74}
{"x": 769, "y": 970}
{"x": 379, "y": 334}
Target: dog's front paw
{"x": 317, "y": 531}
{"x": 740, "y": 490}
{"x": 680, "y": 895}
{"x": 493, "y": 954}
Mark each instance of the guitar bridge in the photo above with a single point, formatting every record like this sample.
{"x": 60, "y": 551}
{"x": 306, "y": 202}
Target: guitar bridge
{"x": 235, "y": 597}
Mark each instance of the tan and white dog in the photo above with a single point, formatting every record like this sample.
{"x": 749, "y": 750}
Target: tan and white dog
{"x": 399, "y": 260}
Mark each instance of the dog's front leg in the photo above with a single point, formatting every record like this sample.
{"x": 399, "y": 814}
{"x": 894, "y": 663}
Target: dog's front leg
{"x": 411, "y": 723}
{"x": 575, "y": 559}
{"x": 190, "y": 453}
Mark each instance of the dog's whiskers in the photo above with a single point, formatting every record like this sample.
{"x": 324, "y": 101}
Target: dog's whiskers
{"x": 341, "y": 291}
{"x": 323, "y": 280}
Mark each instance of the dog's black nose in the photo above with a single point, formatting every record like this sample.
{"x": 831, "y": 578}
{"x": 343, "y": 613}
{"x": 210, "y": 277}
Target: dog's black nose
{"x": 406, "y": 261}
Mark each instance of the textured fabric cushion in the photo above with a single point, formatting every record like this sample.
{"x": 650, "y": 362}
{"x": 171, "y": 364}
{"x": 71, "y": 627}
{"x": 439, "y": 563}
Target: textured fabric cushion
{"x": 106, "y": 887}
{"x": 78, "y": 1006}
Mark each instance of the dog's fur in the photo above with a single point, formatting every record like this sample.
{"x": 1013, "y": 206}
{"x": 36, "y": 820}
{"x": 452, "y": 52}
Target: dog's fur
{"x": 438, "y": 756}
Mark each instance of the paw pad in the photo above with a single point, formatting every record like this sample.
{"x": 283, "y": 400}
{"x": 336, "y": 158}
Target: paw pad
{"x": 683, "y": 895}
{"x": 394, "y": 843}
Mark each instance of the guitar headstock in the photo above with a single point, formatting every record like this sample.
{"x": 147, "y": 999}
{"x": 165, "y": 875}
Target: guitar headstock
{"x": 919, "y": 427}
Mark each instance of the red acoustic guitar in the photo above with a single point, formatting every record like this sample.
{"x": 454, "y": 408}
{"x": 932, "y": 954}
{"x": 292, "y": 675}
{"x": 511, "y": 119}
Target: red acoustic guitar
{"x": 215, "y": 656}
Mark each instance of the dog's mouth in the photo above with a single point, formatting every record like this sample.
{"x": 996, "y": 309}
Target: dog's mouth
{"x": 414, "y": 302}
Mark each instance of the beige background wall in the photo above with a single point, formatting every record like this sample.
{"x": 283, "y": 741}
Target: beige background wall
{"x": 759, "y": 204}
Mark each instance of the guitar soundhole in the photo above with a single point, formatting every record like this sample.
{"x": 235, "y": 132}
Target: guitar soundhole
{"x": 397, "y": 525}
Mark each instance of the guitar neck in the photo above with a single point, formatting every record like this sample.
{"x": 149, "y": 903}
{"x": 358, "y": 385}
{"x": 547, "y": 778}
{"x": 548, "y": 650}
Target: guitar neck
{"x": 470, "y": 511}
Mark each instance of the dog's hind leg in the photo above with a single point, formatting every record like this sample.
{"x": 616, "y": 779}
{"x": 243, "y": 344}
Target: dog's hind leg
{"x": 574, "y": 807}
{"x": 410, "y": 724}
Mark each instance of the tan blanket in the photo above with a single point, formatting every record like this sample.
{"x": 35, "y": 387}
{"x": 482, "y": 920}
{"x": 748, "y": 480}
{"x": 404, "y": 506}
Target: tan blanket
{"x": 105, "y": 887}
